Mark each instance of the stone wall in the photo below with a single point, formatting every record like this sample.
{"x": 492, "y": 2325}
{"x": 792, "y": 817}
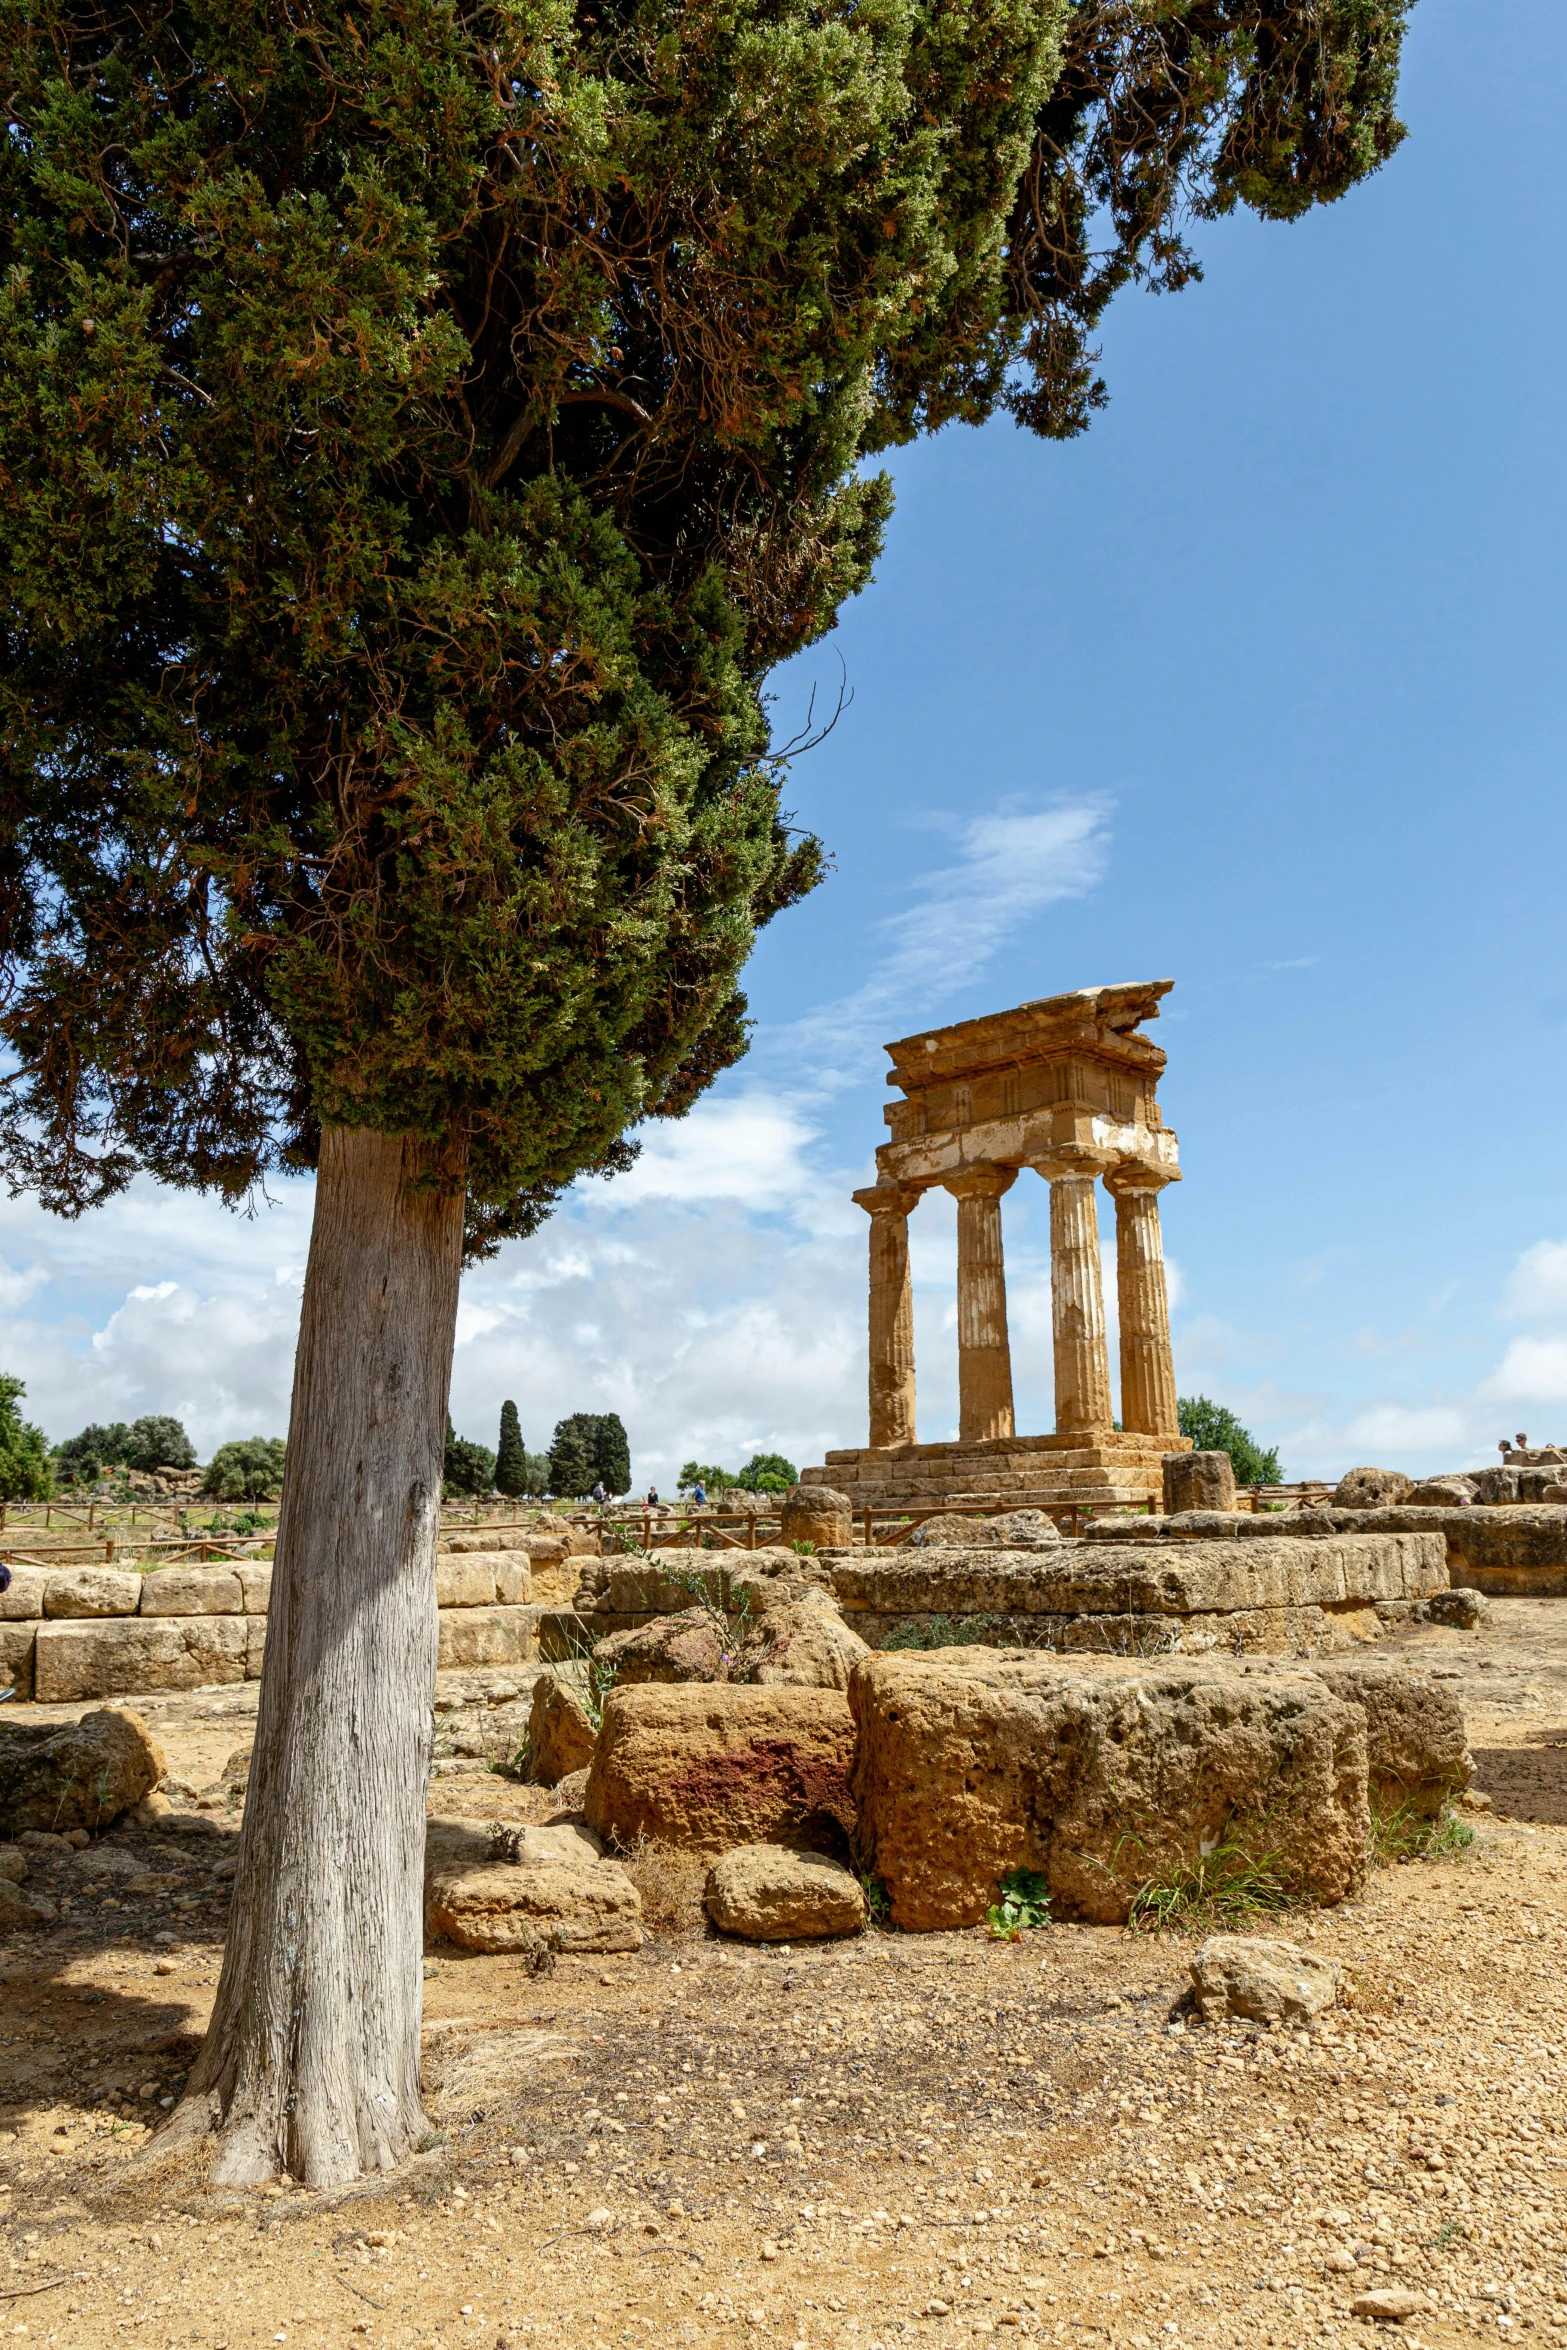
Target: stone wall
{"x": 72, "y": 1633}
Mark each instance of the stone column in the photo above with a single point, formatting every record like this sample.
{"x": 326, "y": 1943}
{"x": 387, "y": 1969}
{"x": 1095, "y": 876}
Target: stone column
{"x": 891, "y": 1314}
{"x": 1147, "y": 1365}
{"x": 984, "y": 1355}
{"x": 1077, "y": 1306}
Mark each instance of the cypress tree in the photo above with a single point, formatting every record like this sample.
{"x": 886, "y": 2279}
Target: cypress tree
{"x": 421, "y": 431}
{"x": 511, "y": 1460}
{"x": 571, "y": 1463}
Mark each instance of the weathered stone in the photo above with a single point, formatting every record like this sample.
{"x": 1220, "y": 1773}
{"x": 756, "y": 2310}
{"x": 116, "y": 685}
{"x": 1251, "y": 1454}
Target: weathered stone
{"x": 192, "y": 1591}
{"x": 1012, "y": 1530}
{"x": 19, "y": 1907}
{"x": 256, "y": 1585}
{"x": 686, "y": 1647}
{"x": 1463, "y": 1609}
{"x": 1515, "y": 1486}
{"x": 92, "y": 1591}
{"x": 561, "y": 1731}
{"x": 24, "y": 1601}
{"x": 553, "y": 1891}
{"x": 809, "y": 1646}
{"x": 17, "y": 1642}
{"x": 817, "y": 1514}
{"x": 711, "y": 1765}
{"x": 1103, "y": 1775}
{"x": 1270, "y": 1982}
{"x": 1198, "y": 1481}
{"x": 117, "y": 1656}
{"x": 1441, "y": 1493}
{"x": 1392, "y": 2301}
{"x": 1371, "y": 1489}
{"x": 1417, "y": 1755}
{"x": 770, "y": 1893}
{"x": 466, "y": 1579}
{"x": 490, "y": 1539}
{"x": 1507, "y": 1551}
{"x": 472, "y": 1636}
{"x": 13, "y": 1863}
{"x": 513, "y": 1579}
{"x": 56, "y": 1777}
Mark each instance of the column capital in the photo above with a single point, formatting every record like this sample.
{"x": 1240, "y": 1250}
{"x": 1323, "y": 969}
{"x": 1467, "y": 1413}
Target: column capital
{"x": 887, "y": 1199}
{"x": 1061, "y": 1166}
{"x": 981, "y": 1181}
{"x": 1133, "y": 1175}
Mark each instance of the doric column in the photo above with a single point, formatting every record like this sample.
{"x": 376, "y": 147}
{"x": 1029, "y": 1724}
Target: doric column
{"x": 1147, "y": 1365}
{"x": 1077, "y": 1306}
{"x": 891, "y": 1314}
{"x": 984, "y": 1354}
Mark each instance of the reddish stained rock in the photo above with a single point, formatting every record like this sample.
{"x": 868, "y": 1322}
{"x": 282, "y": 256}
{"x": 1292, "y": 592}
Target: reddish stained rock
{"x": 709, "y": 1765}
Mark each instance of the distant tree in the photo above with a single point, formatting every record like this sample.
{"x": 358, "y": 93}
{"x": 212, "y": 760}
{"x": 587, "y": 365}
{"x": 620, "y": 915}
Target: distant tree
{"x": 605, "y": 1442}
{"x": 249, "y": 1469}
{"x": 25, "y": 1471}
{"x": 511, "y": 1459}
{"x": 571, "y": 1467}
{"x": 713, "y": 1478}
{"x": 158, "y": 1441}
{"x": 468, "y": 1467}
{"x": 537, "y": 1478}
{"x": 1212, "y": 1427}
{"x": 82, "y": 1458}
{"x": 768, "y": 1472}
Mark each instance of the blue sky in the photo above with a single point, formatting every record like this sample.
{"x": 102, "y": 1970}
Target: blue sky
{"x": 1259, "y": 687}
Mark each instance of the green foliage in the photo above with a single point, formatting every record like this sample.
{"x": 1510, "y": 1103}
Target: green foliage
{"x": 1402, "y": 1833}
{"x": 945, "y": 1632}
{"x": 468, "y": 1467}
{"x": 537, "y": 1472}
{"x": 1024, "y": 1904}
{"x": 422, "y": 430}
{"x": 604, "y": 1447}
{"x": 878, "y": 1903}
{"x": 710, "y": 1478}
{"x": 571, "y": 1469}
{"x": 511, "y": 1459}
{"x": 25, "y": 1470}
{"x": 250, "y": 1469}
{"x": 1223, "y": 1891}
{"x": 1212, "y": 1427}
{"x": 82, "y": 1458}
{"x": 768, "y": 1472}
{"x": 157, "y": 1441}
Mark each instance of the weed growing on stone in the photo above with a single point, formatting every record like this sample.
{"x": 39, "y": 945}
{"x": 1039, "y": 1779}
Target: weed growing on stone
{"x": 1225, "y": 1889}
{"x": 1024, "y": 1905}
{"x": 878, "y": 1903}
{"x": 944, "y": 1632}
{"x": 1405, "y": 1834}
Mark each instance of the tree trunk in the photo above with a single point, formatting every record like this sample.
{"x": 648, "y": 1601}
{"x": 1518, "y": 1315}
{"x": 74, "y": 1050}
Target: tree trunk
{"x": 311, "y": 2061}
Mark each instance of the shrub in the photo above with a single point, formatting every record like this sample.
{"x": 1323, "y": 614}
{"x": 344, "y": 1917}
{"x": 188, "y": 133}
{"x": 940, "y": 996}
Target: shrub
{"x": 157, "y": 1441}
{"x": 468, "y": 1467}
{"x": 25, "y": 1472}
{"x": 1212, "y": 1427}
{"x": 249, "y": 1469}
{"x": 768, "y": 1472}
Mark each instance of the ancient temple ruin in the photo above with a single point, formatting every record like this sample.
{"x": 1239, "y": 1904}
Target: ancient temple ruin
{"x": 1066, "y": 1088}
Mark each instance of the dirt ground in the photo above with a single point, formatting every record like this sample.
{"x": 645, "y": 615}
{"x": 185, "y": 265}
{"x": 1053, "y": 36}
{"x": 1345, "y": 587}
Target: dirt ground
{"x": 905, "y": 2138}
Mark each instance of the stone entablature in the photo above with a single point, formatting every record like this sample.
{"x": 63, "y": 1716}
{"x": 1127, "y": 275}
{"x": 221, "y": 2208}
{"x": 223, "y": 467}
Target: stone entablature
{"x": 1065, "y": 1088}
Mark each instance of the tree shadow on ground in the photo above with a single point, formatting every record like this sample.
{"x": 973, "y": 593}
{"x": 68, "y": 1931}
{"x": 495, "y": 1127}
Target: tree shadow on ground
{"x": 1527, "y": 1781}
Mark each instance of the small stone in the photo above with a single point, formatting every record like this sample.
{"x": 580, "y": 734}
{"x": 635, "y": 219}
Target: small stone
{"x": 1392, "y": 2301}
{"x": 163, "y": 1966}
{"x": 1269, "y": 1982}
{"x": 518, "y": 2157}
{"x": 599, "y": 2219}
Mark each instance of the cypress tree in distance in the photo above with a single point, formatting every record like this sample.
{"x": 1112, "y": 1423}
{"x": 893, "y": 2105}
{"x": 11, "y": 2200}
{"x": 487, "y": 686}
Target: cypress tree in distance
{"x": 571, "y": 1463}
{"x": 511, "y": 1461}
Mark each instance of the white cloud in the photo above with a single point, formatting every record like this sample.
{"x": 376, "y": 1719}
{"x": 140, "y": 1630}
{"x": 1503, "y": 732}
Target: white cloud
{"x": 753, "y": 1147}
{"x": 1537, "y": 1285}
{"x": 1396, "y": 1430}
{"x": 1533, "y": 1370}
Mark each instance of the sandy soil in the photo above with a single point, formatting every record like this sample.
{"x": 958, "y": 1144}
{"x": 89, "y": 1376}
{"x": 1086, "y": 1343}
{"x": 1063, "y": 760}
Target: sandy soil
{"x": 992, "y": 2138}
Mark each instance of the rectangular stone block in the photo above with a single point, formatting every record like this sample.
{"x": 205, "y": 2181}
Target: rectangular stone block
{"x": 126, "y": 1656}
{"x": 192, "y": 1591}
{"x": 514, "y": 1580}
{"x": 485, "y": 1636}
{"x": 489, "y": 1538}
{"x": 16, "y": 1659}
{"x": 255, "y": 1646}
{"x": 91, "y": 1591}
{"x": 24, "y": 1602}
{"x": 255, "y": 1584}
{"x": 464, "y": 1581}
{"x": 1521, "y": 1551}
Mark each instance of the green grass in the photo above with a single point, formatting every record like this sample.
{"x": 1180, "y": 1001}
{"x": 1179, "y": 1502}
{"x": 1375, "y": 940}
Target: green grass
{"x": 948, "y": 1632}
{"x": 1227, "y": 1889}
{"x": 1405, "y": 1834}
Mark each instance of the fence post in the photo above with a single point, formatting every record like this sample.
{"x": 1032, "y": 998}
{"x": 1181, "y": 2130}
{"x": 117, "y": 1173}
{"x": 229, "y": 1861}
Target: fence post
{"x": 108, "y": 1551}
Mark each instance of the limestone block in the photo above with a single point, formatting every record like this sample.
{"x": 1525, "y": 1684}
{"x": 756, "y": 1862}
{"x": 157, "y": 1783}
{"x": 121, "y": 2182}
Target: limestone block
{"x": 768, "y": 1893}
{"x": 490, "y": 1539}
{"x": 192, "y": 1591}
{"x": 24, "y": 1601}
{"x": 255, "y": 1646}
{"x": 557, "y": 1893}
{"x": 256, "y": 1585}
{"x": 513, "y": 1578}
{"x": 484, "y": 1636}
{"x": 1371, "y": 1489}
{"x": 91, "y": 1591}
{"x": 1417, "y": 1752}
{"x": 687, "y": 1647}
{"x": 1522, "y": 1550}
{"x": 561, "y": 1731}
{"x": 711, "y": 1765}
{"x": 1198, "y": 1481}
{"x": 58, "y": 1777}
{"x": 465, "y": 1580}
{"x": 817, "y": 1514}
{"x": 16, "y": 1659}
{"x": 1270, "y": 1982}
{"x": 127, "y": 1655}
{"x": 809, "y": 1646}
{"x": 1099, "y": 1773}
{"x": 1441, "y": 1493}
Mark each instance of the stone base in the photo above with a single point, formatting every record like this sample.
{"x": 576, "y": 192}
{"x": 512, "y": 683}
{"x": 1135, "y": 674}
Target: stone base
{"x": 1105, "y": 1469}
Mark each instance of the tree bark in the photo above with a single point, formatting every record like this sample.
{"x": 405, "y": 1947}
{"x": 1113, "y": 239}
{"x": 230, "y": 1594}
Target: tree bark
{"x": 311, "y": 2061}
